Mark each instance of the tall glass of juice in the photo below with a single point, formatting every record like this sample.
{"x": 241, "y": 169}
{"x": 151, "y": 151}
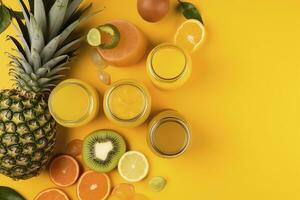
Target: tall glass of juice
{"x": 169, "y": 134}
{"x": 169, "y": 66}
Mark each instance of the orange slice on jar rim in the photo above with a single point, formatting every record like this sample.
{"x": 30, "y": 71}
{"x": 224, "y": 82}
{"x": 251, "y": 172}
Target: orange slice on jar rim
{"x": 93, "y": 186}
{"x": 51, "y": 194}
{"x": 64, "y": 171}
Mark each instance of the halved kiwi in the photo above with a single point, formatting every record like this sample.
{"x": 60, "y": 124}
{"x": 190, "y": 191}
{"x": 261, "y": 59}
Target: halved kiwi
{"x": 102, "y": 150}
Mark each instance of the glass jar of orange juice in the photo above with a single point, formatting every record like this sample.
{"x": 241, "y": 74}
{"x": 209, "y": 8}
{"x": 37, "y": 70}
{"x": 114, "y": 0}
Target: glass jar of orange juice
{"x": 169, "y": 66}
{"x": 73, "y": 103}
{"x": 127, "y": 103}
{"x": 169, "y": 134}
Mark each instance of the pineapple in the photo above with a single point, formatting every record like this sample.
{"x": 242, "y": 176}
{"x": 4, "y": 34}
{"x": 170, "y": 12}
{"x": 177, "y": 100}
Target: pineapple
{"x": 45, "y": 44}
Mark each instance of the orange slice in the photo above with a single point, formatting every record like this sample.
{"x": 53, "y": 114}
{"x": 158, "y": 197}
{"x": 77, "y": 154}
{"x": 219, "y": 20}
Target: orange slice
{"x": 51, "y": 194}
{"x": 131, "y": 47}
{"x": 93, "y": 186}
{"x": 190, "y": 35}
{"x": 123, "y": 191}
{"x": 64, "y": 171}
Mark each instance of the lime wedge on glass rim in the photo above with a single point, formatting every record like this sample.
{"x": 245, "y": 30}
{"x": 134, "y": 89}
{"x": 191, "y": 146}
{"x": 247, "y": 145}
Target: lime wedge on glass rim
{"x": 110, "y": 33}
{"x": 94, "y": 37}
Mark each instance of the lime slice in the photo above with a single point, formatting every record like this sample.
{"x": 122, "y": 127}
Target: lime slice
{"x": 111, "y": 36}
{"x": 133, "y": 166}
{"x": 157, "y": 183}
{"x": 94, "y": 37}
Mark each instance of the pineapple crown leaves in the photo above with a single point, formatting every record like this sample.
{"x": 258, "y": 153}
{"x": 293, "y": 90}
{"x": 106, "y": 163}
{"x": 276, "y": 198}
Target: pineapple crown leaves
{"x": 45, "y": 42}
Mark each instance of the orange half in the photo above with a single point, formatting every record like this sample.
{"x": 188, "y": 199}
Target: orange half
{"x": 64, "y": 171}
{"x": 93, "y": 186}
{"x": 51, "y": 194}
{"x": 190, "y": 35}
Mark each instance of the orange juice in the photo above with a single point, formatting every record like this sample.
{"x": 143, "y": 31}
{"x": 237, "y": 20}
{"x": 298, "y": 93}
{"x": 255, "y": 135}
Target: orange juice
{"x": 169, "y": 134}
{"x": 127, "y": 103}
{"x": 168, "y": 66}
{"x": 73, "y": 103}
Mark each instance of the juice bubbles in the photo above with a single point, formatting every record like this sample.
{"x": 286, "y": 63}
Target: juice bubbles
{"x": 73, "y": 103}
{"x": 168, "y": 66}
{"x": 127, "y": 103}
{"x": 169, "y": 134}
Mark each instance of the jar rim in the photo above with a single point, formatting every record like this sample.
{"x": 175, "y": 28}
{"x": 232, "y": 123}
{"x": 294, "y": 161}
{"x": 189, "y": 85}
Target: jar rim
{"x": 91, "y": 103}
{"x": 170, "y": 119}
{"x": 155, "y": 74}
{"x": 135, "y": 84}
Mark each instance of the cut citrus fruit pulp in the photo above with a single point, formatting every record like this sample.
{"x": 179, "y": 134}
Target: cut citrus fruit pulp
{"x": 190, "y": 35}
{"x": 123, "y": 191}
{"x": 131, "y": 47}
{"x": 94, "y": 37}
{"x": 133, "y": 166}
{"x": 51, "y": 194}
{"x": 64, "y": 171}
{"x": 74, "y": 147}
{"x": 93, "y": 186}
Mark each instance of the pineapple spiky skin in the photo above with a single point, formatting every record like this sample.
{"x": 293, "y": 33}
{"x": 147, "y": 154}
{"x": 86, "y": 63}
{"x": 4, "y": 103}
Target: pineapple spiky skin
{"x": 46, "y": 43}
{"x": 27, "y": 134}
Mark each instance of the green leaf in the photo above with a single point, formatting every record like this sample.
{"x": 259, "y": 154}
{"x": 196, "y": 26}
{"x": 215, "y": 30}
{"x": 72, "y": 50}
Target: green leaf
{"x": 5, "y": 18}
{"x": 56, "y": 17}
{"x": 7, "y": 193}
{"x": 189, "y": 11}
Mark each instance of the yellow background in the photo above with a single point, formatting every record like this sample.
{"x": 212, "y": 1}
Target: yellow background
{"x": 243, "y": 102}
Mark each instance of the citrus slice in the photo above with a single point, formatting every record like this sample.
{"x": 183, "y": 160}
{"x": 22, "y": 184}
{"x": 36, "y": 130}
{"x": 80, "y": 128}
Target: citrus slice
{"x": 190, "y": 35}
{"x": 133, "y": 166}
{"x": 64, "y": 171}
{"x": 94, "y": 37}
{"x": 93, "y": 186}
{"x": 123, "y": 191}
{"x": 51, "y": 194}
{"x": 110, "y": 36}
{"x": 157, "y": 183}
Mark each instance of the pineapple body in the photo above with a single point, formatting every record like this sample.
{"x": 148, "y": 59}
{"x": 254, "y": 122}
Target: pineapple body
{"x": 27, "y": 134}
{"x": 46, "y": 44}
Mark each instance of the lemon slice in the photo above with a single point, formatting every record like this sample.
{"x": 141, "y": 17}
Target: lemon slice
{"x": 133, "y": 166}
{"x": 190, "y": 35}
{"x": 94, "y": 37}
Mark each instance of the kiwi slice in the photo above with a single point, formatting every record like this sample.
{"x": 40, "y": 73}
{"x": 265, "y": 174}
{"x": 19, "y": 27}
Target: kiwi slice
{"x": 102, "y": 150}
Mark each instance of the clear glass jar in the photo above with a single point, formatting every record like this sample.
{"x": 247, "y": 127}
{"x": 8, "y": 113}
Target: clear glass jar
{"x": 169, "y": 66}
{"x": 169, "y": 134}
{"x": 127, "y": 103}
{"x": 73, "y": 103}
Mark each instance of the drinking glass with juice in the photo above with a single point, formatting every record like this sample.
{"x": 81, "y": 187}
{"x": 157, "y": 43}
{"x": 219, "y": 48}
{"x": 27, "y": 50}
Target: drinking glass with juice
{"x": 169, "y": 66}
{"x": 127, "y": 103}
{"x": 169, "y": 134}
{"x": 73, "y": 103}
